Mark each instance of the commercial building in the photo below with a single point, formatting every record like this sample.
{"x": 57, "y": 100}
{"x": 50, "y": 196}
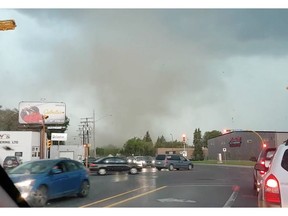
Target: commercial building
{"x": 23, "y": 144}
{"x": 75, "y": 152}
{"x": 243, "y": 144}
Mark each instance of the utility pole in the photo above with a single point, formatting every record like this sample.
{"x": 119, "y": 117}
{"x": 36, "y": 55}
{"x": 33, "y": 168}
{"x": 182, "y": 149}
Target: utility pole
{"x": 94, "y": 134}
{"x": 86, "y": 133}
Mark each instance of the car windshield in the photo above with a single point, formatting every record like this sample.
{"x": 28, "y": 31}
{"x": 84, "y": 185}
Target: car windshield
{"x": 33, "y": 167}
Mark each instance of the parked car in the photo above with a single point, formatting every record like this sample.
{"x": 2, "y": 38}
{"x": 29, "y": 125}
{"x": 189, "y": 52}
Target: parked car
{"x": 41, "y": 180}
{"x": 264, "y": 159}
{"x": 10, "y": 162}
{"x": 172, "y": 161}
{"x": 108, "y": 165}
{"x": 273, "y": 190}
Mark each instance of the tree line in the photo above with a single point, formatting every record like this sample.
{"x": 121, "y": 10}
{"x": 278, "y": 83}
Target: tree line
{"x": 133, "y": 146}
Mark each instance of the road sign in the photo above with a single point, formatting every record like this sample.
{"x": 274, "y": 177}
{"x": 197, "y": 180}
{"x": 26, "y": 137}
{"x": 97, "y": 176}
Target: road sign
{"x": 59, "y": 136}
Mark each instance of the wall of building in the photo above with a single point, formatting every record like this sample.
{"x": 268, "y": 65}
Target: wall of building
{"x": 76, "y": 150}
{"x": 25, "y": 144}
{"x": 242, "y": 145}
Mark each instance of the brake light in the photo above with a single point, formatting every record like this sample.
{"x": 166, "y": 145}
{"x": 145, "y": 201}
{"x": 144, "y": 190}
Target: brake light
{"x": 272, "y": 190}
{"x": 262, "y": 162}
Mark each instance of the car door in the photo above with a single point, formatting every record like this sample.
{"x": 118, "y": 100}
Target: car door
{"x": 184, "y": 162}
{"x": 59, "y": 181}
{"x": 121, "y": 164}
{"x": 175, "y": 159}
{"x": 74, "y": 176}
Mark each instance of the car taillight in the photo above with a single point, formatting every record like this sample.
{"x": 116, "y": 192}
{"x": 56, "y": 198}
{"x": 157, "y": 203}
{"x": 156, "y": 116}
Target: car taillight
{"x": 92, "y": 165}
{"x": 272, "y": 190}
{"x": 262, "y": 162}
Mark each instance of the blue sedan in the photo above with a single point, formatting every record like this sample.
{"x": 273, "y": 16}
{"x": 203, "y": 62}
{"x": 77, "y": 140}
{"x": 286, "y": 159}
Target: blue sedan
{"x": 41, "y": 180}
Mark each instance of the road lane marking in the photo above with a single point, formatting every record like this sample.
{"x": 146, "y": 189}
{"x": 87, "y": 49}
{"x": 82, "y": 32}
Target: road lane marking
{"x": 134, "y": 197}
{"x": 108, "y": 198}
{"x": 176, "y": 200}
{"x": 233, "y": 196}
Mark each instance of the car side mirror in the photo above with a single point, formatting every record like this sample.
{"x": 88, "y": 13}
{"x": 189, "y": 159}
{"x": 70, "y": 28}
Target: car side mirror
{"x": 260, "y": 167}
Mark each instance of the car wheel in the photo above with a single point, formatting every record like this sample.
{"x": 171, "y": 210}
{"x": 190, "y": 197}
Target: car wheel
{"x": 102, "y": 171}
{"x": 189, "y": 167}
{"x": 84, "y": 189}
{"x": 133, "y": 170}
{"x": 171, "y": 167}
{"x": 40, "y": 197}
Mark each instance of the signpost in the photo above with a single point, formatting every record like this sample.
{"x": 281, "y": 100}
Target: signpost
{"x": 224, "y": 150}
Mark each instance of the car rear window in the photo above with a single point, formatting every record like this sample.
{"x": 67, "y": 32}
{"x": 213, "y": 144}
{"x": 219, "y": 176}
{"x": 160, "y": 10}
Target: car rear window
{"x": 160, "y": 157}
{"x": 284, "y": 162}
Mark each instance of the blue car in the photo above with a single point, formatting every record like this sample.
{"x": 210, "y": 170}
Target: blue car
{"x": 41, "y": 180}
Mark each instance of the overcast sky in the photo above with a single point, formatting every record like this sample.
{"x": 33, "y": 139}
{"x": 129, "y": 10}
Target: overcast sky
{"x": 166, "y": 71}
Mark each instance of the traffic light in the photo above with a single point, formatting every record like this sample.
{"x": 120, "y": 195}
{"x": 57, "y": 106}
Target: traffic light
{"x": 49, "y": 143}
{"x": 184, "y": 137}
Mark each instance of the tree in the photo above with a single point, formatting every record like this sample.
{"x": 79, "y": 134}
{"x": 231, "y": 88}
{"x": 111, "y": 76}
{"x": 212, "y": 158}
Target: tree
{"x": 147, "y": 137}
{"x": 9, "y": 119}
{"x": 209, "y": 135}
{"x": 197, "y": 142}
{"x": 161, "y": 142}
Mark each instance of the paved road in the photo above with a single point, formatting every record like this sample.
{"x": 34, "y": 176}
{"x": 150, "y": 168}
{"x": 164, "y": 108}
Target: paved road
{"x": 204, "y": 186}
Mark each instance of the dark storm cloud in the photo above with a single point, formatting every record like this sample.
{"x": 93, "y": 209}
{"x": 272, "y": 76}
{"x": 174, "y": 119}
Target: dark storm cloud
{"x": 146, "y": 64}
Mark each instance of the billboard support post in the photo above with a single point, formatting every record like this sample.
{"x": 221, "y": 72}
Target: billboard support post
{"x": 43, "y": 138}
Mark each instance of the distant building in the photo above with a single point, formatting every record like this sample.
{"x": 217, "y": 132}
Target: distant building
{"x": 243, "y": 144}
{"x": 75, "y": 152}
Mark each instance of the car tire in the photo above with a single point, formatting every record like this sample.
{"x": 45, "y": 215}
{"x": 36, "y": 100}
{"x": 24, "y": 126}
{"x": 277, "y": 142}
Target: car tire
{"x": 171, "y": 167}
{"x": 189, "y": 167}
{"x": 40, "y": 197}
{"x": 133, "y": 171}
{"x": 84, "y": 189}
{"x": 102, "y": 171}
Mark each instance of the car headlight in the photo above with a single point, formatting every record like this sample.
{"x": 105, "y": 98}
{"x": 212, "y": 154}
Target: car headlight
{"x": 25, "y": 183}
{"x": 25, "y": 187}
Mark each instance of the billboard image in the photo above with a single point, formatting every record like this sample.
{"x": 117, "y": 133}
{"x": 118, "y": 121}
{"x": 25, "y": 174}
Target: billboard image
{"x": 33, "y": 112}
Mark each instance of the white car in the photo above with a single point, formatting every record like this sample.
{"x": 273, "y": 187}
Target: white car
{"x": 273, "y": 191}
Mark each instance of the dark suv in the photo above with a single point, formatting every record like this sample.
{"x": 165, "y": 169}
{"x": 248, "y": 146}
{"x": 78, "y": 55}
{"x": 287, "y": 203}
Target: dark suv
{"x": 172, "y": 161}
{"x": 11, "y": 162}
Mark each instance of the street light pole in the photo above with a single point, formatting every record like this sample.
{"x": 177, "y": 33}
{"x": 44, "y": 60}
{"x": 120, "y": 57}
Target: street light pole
{"x": 172, "y": 143}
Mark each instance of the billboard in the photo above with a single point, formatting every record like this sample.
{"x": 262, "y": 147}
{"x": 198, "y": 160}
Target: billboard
{"x": 33, "y": 112}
